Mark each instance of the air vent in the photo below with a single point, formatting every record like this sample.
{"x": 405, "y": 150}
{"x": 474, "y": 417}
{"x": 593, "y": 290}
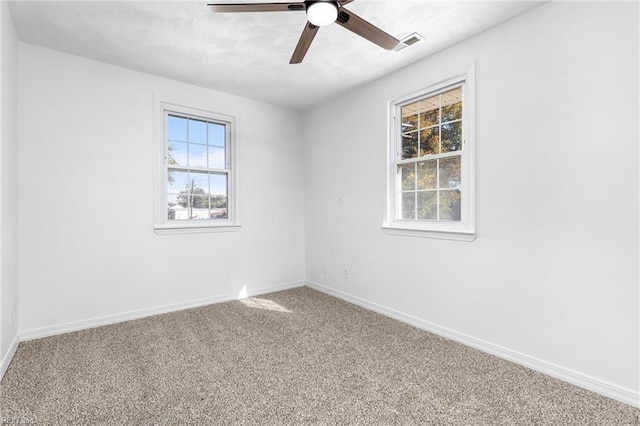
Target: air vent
{"x": 409, "y": 40}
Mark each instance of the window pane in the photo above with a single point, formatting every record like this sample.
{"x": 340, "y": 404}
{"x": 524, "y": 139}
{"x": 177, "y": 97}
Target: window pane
{"x": 450, "y": 173}
{"x": 177, "y": 154}
{"x": 198, "y": 182}
{"x": 429, "y": 139}
{"x": 409, "y": 115}
{"x": 173, "y": 199}
{"x": 452, "y": 137}
{"x": 408, "y": 205}
{"x": 218, "y": 207}
{"x": 430, "y": 112}
{"x": 452, "y": 105}
{"x": 427, "y": 205}
{"x": 200, "y": 201}
{"x": 450, "y": 206}
{"x": 410, "y": 145}
{"x": 216, "y": 135}
{"x": 197, "y": 131}
{"x": 175, "y": 210}
{"x": 407, "y": 176}
{"x": 177, "y": 128}
{"x": 427, "y": 174}
{"x": 199, "y": 207}
{"x": 197, "y": 155}
{"x": 216, "y": 157}
{"x": 218, "y": 184}
{"x": 176, "y": 181}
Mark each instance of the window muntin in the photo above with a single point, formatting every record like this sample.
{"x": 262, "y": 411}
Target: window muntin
{"x": 428, "y": 169}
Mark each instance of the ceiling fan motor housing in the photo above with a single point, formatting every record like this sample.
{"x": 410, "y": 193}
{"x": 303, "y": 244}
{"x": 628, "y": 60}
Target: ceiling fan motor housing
{"x": 310, "y": 2}
{"x": 322, "y": 12}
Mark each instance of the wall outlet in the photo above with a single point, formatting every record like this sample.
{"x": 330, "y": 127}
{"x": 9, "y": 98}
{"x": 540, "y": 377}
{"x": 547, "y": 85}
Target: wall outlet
{"x": 346, "y": 272}
{"x": 324, "y": 269}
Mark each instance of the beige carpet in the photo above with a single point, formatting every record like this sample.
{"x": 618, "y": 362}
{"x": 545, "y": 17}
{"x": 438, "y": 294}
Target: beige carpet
{"x": 293, "y": 357}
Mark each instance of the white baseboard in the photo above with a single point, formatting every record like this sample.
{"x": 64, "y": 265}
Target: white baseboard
{"x": 6, "y": 360}
{"x": 37, "y": 333}
{"x": 610, "y": 390}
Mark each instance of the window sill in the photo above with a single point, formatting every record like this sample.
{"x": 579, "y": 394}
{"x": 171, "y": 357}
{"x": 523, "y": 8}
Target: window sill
{"x": 195, "y": 229}
{"x": 454, "y": 235}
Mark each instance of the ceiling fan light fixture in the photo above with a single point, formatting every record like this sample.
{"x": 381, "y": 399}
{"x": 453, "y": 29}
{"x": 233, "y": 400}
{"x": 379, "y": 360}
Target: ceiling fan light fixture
{"x": 322, "y": 13}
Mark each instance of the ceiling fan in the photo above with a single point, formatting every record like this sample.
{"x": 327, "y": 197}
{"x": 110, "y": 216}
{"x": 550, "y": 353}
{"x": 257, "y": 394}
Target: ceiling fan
{"x": 320, "y": 13}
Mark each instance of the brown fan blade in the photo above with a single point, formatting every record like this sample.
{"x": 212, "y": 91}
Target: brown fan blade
{"x": 257, "y": 7}
{"x": 306, "y": 38}
{"x": 344, "y": 2}
{"x": 356, "y": 24}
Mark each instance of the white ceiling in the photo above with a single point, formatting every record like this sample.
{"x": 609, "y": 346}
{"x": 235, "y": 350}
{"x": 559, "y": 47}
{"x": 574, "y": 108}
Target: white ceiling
{"x": 248, "y": 53}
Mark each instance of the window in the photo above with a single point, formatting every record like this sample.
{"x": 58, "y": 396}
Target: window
{"x": 196, "y": 169}
{"x": 431, "y": 185}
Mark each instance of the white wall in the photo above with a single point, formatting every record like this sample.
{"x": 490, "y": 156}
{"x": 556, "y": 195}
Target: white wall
{"x": 553, "y": 273}
{"x": 88, "y": 248}
{"x": 8, "y": 186}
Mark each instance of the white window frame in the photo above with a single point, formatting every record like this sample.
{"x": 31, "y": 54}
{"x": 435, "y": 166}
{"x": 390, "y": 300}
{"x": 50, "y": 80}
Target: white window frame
{"x": 465, "y": 229}
{"x": 163, "y": 107}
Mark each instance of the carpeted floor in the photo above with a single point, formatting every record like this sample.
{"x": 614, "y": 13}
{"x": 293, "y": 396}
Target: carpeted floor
{"x": 292, "y": 357}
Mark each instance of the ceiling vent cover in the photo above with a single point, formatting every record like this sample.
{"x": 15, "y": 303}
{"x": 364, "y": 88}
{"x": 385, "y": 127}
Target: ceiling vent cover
{"x": 409, "y": 40}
